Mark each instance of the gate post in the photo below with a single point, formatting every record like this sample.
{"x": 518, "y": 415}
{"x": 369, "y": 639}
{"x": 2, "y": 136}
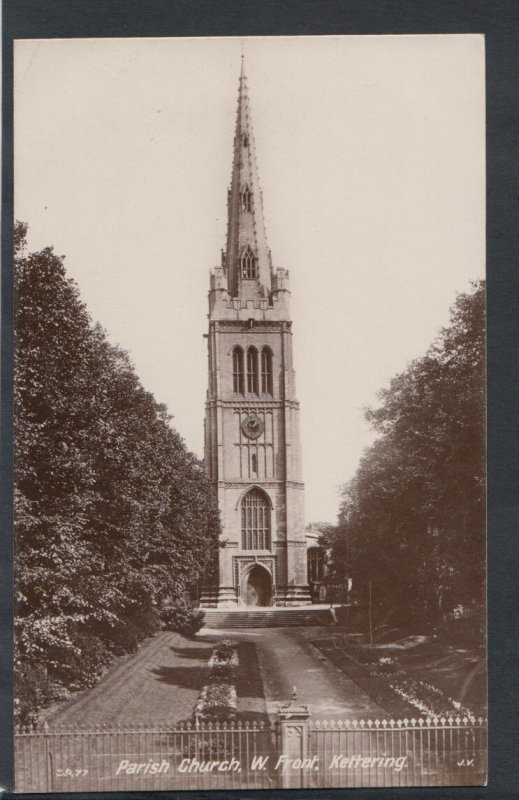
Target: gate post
{"x": 294, "y": 723}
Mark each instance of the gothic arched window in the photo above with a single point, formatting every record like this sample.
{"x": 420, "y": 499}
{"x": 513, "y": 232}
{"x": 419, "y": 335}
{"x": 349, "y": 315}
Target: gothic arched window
{"x": 255, "y": 521}
{"x": 266, "y": 371}
{"x": 246, "y": 199}
{"x": 237, "y": 371}
{"x": 248, "y": 263}
{"x": 252, "y": 371}
{"x": 316, "y": 564}
{"x": 245, "y": 140}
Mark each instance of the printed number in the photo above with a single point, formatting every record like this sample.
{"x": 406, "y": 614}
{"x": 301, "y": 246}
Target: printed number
{"x": 71, "y": 773}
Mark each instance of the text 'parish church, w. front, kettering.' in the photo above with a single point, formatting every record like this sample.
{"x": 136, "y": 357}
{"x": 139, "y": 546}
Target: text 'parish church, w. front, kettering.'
{"x": 252, "y": 442}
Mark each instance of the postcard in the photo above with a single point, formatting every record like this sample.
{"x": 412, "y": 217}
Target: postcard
{"x": 250, "y": 458}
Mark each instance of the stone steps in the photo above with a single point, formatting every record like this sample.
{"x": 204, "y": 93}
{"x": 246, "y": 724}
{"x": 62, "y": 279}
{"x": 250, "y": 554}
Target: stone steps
{"x": 266, "y": 617}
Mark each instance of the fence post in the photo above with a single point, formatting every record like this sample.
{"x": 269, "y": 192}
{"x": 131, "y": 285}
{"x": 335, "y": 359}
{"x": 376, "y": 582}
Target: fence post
{"x": 294, "y": 725}
{"x": 47, "y": 757}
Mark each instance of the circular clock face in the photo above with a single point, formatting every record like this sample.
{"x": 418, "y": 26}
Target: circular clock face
{"x": 252, "y": 426}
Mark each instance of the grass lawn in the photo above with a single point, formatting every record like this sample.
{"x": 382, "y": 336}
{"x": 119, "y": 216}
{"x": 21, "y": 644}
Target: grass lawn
{"x": 160, "y": 682}
{"x": 410, "y": 674}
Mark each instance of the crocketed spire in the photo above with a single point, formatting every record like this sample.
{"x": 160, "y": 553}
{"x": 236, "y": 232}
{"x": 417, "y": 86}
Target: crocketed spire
{"x": 247, "y": 257}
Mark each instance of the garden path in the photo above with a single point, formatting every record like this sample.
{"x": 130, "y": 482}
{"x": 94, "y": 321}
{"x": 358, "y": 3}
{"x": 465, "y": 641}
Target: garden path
{"x": 286, "y": 659}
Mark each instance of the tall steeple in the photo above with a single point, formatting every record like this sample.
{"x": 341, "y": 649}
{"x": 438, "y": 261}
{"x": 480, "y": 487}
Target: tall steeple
{"x": 252, "y": 449}
{"x": 247, "y": 257}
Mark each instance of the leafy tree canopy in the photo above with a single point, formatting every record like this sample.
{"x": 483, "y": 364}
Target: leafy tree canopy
{"x": 412, "y": 520}
{"x": 114, "y": 517}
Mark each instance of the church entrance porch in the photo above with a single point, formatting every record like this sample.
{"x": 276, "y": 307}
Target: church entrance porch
{"x": 256, "y": 587}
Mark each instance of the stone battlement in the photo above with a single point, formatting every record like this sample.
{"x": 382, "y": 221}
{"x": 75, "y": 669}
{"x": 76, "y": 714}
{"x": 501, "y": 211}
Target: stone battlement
{"x": 250, "y": 304}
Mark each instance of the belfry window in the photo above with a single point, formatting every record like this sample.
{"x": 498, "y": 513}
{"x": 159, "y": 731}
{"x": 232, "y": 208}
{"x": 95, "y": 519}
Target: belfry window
{"x": 245, "y": 140}
{"x": 248, "y": 264}
{"x": 246, "y": 199}
{"x": 266, "y": 371}
{"x": 237, "y": 371}
{"x": 252, "y": 371}
{"x": 255, "y": 521}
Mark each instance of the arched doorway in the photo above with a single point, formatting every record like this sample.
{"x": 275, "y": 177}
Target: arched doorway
{"x": 257, "y": 587}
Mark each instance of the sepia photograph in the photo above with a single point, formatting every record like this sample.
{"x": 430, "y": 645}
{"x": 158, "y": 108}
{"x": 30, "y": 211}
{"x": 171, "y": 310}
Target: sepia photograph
{"x": 250, "y": 413}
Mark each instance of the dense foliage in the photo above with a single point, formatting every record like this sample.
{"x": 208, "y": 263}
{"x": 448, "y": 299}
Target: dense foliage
{"x": 412, "y": 520}
{"x": 114, "y": 517}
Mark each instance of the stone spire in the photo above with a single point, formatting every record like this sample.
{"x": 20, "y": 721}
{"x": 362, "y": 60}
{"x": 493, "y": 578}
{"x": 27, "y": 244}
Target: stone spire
{"x": 247, "y": 257}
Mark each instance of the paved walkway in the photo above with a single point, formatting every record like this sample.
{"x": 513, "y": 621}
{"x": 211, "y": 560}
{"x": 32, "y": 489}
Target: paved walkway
{"x": 287, "y": 659}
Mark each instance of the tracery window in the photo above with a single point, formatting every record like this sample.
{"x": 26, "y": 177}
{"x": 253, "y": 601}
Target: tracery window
{"x": 252, "y": 371}
{"x": 237, "y": 371}
{"x": 316, "y": 564}
{"x": 255, "y": 521}
{"x": 266, "y": 371}
{"x": 246, "y": 199}
{"x": 248, "y": 263}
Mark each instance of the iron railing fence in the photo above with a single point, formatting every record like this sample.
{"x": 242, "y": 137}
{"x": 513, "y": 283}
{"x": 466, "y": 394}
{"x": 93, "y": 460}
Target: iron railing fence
{"x": 180, "y": 756}
{"x": 417, "y": 752}
{"x": 294, "y": 752}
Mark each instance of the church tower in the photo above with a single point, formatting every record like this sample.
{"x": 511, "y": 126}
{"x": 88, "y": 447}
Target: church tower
{"x": 252, "y": 447}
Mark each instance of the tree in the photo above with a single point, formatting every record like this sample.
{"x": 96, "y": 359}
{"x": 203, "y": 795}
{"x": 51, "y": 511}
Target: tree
{"x": 413, "y": 517}
{"x": 114, "y": 518}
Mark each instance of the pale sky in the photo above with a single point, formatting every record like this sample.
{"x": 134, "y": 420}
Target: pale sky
{"x": 370, "y": 154}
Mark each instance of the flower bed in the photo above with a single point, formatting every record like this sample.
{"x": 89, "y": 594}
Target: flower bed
{"x": 225, "y": 648}
{"x": 429, "y": 700}
{"x": 217, "y": 700}
{"x": 224, "y": 668}
{"x": 372, "y": 681}
{"x": 224, "y": 662}
{"x": 388, "y": 679}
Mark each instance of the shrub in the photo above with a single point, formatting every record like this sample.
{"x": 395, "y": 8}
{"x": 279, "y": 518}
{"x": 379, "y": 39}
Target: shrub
{"x": 87, "y": 662}
{"x": 464, "y": 624}
{"x": 182, "y": 617}
{"x": 32, "y": 690}
{"x": 126, "y": 635}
